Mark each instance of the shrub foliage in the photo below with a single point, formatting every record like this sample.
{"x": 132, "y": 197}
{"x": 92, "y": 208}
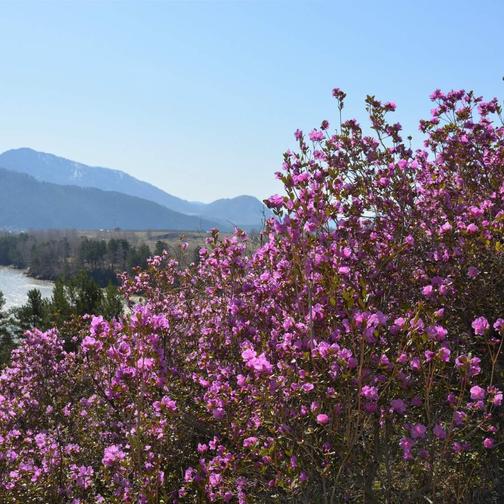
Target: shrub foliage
{"x": 356, "y": 356}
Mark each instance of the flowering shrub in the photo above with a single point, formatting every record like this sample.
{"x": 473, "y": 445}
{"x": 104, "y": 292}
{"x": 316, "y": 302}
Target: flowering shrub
{"x": 355, "y": 356}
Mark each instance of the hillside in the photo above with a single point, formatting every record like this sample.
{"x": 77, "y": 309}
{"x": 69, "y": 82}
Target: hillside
{"x": 26, "y": 203}
{"x": 244, "y": 211}
{"x": 249, "y": 210}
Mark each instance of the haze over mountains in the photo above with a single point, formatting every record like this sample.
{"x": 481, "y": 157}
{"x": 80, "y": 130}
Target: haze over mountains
{"x": 26, "y": 203}
{"x": 97, "y": 197}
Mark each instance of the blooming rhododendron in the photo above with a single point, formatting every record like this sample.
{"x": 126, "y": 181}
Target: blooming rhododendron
{"x": 316, "y": 136}
{"x": 112, "y": 454}
{"x": 439, "y": 432}
{"x": 480, "y": 325}
{"x": 250, "y": 441}
{"x": 370, "y": 393}
{"x": 322, "y": 419}
{"x": 351, "y": 353}
{"x": 477, "y": 393}
{"x": 418, "y": 431}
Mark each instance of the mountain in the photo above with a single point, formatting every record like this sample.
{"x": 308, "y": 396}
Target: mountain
{"x": 245, "y": 211}
{"x": 249, "y": 210}
{"x": 26, "y": 203}
{"x": 57, "y": 170}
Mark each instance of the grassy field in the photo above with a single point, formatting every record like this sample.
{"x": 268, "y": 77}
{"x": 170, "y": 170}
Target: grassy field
{"x": 150, "y": 238}
{"x": 194, "y": 239}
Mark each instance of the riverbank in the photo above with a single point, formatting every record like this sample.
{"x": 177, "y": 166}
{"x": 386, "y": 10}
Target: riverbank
{"x": 15, "y": 285}
{"x": 49, "y": 255}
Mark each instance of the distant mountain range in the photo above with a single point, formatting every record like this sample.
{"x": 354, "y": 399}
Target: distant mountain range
{"x": 149, "y": 206}
{"x": 26, "y": 203}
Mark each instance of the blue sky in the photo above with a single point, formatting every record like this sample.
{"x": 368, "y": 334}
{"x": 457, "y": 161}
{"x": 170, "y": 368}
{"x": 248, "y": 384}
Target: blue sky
{"x": 201, "y": 97}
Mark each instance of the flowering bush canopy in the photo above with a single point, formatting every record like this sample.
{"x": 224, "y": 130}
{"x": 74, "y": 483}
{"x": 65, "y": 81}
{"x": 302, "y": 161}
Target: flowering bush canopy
{"x": 355, "y": 356}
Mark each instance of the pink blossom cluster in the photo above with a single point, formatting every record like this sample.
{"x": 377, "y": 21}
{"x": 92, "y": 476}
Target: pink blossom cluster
{"x": 355, "y": 355}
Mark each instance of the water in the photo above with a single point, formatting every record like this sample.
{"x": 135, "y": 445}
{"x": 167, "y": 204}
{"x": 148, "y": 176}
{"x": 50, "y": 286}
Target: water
{"x": 15, "y": 286}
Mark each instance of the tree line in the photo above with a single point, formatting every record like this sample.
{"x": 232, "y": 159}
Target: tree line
{"x": 72, "y": 298}
{"x": 50, "y": 255}
{"x": 85, "y": 271}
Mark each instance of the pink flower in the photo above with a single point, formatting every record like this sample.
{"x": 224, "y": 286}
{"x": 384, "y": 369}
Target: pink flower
{"x": 275, "y": 201}
{"x": 474, "y": 366}
{"x": 429, "y": 354}
{"x": 248, "y": 354}
{"x": 417, "y": 431}
{"x": 445, "y": 228}
{"x": 403, "y": 358}
{"x": 437, "y": 332}
{"x": 250, "y": 441}
{"x": 459, "y": 417}
{"x": 407, "y": 444}
{"x": 457, "y": 447}
{"x": 322, "y": 419}
{"x": 415, "y": 363}
{"x": 40, "y": 440}
{"x": 439, "y": 432}
{"x": 497, "y": 399}
{"x": 427, "y": 291}
{"x": 218, "y": 413}
{"x": 308, "y": 387}
{"x": 343, "y": 270}
{"x": 472, "y": 228}
{"x": 480, "y": 325}
{"x": 409, "y": 240}
{"x": 488, "y": 443}
{"x": 124, "y": 349}
{"x": 477, "y": 393}
{"x": 472, "y": 272}
{"x": 260, "y": 364}
{"x": 498, "y": 324}
{"x": 88, "y": 343}
{"x": 384, "y": 360}
{"x": 146, "y": 363}
{"x": 370, "y": 392}
{"x": 476, "y": 211}
{"x": 190, "y": 474}
{"x": 215, "y": 479}
{"x": 338, "y": 93}
{"x": 112, "y": 454}
{"x": 316, "y": 136}
{"x": 444, "y": 354}
{"x": 98, "y": 324}
{"x": 168, "y": 403}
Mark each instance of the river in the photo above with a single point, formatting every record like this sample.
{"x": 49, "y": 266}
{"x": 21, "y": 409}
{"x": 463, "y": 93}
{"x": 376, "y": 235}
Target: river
{"x": 15, "y": 285}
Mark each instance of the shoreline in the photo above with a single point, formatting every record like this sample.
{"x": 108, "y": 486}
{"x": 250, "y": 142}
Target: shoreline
{"x": 26, "y": 272}
{"x": 15, "y": 283}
